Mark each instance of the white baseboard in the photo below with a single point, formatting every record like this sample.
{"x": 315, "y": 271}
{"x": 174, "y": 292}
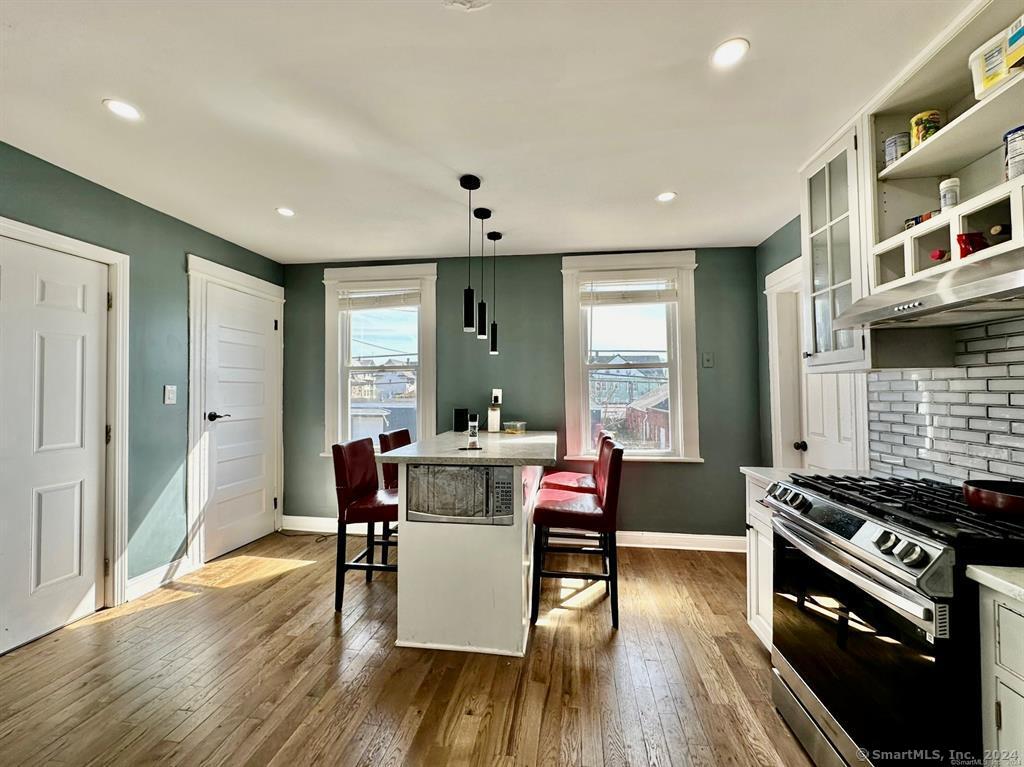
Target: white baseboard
{"x": 141, "y": 585}
{"x": 690, "y": 541}
{"x": 323, "y": 525}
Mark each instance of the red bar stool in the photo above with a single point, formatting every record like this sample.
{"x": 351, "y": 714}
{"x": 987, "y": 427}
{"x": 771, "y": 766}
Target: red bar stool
{"x": 575, "y": 481}
{"x": 590, "y": 512}
{"x": 360, "y": 500}
{"x": 391, "y": 440}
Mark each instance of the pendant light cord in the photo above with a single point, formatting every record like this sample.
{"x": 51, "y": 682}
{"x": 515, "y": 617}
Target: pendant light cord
{"x": 469, "y": 242}
{"x": 494, "y": 279}
{"x": 482, "y": 288}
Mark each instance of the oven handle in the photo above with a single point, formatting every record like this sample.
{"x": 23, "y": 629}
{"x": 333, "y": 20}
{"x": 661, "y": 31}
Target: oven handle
{"x": 909, "y": 609}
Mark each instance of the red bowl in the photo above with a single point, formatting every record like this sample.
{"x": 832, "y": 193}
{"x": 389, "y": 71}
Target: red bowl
{"x": 995, "y": 495}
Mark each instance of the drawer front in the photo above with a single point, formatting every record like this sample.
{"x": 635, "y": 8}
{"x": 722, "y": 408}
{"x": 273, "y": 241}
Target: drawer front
{"x": 756, "y": 513}
{"x": 1010, "y": 639}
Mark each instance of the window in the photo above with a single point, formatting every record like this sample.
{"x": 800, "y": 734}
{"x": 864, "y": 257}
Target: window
{"x": 379, "y": 351}
{"x": 630, "y": 354}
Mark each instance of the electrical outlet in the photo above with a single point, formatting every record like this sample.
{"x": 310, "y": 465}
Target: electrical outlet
{"x": 707, "y": 360}
{"x": 170, "y": 395}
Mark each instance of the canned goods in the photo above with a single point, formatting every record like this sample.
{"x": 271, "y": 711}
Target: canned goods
{"x": 924, "y": 125}
{"x": 895, "y": 147}
{"x": 1013, "y": 153}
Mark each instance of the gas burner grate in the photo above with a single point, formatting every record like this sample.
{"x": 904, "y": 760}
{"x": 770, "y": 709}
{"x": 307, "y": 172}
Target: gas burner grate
{"x": 922, "y": 503}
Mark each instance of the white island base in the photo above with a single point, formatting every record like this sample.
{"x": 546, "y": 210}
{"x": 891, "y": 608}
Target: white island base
{"x": 466, "y": 587}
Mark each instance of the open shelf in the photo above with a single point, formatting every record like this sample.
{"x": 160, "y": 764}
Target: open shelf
{"x": 973, "y": 134}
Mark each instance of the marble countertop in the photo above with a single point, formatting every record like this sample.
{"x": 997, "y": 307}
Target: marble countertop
{"x": 771, "y": 474}
{"x": 1005, "y": 580}
{"x": 534, "y": 448}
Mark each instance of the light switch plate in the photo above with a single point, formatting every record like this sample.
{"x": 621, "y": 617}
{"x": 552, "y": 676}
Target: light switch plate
{"x": 170, "y": 395}
{"x": 707, "y": 360}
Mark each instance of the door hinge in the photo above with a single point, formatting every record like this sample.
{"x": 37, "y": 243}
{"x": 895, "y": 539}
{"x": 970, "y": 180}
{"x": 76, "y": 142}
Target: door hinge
{"x": 108, "y": 434}
{"x": 275, "y": 503}
{"x": 106, "y": 566}
{"x": 854, "y": 142}
{"x": 863, "y": 342}
{"x": 110, "y": 301}
{"x": 999, "y": 715}
{"x": 275, "y": 324}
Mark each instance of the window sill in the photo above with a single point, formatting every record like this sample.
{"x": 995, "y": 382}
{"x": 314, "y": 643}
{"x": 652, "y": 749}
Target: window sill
{"x": 640, "y": 458}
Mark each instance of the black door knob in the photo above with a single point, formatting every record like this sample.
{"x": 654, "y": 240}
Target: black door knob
{"x": 801, "y": 446}
{"x": 214, "y": 416}
{"x": 807, "y": 355}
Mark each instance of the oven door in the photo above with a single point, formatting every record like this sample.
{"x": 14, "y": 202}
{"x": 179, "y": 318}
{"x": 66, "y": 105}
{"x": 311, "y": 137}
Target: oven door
{"x": 860, "y": 653}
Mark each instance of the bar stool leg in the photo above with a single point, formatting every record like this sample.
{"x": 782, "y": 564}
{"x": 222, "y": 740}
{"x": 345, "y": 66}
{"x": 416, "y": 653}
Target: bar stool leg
{"x": 604, "y": 558}
{"x": 339, "y": 570}
{"x": 369, "y": 548}
{"x": 538, "y": 565}
{"x": 613, "y": 572}
{"x": 387, "y": 541}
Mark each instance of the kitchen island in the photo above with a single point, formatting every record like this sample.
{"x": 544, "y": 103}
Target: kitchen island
{"x": 465, "y": 536}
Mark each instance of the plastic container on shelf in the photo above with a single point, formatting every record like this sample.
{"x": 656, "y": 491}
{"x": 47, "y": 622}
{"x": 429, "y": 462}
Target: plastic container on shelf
{"x": 949, "y": 193}
{"x": 1013, "y": 153}
{"x": 989, "y": 65}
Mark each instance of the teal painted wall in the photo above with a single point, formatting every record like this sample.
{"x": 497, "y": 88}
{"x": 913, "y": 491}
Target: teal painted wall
{"x": 693, "y": 498}
{"x": 778, "y": 250}
{"x": 43, "y": 195}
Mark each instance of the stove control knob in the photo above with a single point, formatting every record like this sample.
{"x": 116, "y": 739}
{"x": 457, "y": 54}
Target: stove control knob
{"x": 911, "y": 554}
{"x": 800, "y": 502}
{"x": 885, "y": 541}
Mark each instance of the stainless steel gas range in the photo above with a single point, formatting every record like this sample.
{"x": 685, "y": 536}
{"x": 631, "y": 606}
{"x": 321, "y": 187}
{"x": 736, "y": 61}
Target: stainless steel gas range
{"x": 875, "y": 626}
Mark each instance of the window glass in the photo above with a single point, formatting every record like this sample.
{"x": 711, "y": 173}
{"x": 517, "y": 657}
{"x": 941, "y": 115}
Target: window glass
{"x": 384, "y": 336}
{"x": 628, "y": 333}
{"x": 633, "y": 403}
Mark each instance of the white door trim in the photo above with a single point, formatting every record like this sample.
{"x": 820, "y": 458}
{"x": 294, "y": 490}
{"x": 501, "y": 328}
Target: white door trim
{"x": 115, "y": 523}
{"x": 784, "y": 400}
{"x": 201, "y": 274}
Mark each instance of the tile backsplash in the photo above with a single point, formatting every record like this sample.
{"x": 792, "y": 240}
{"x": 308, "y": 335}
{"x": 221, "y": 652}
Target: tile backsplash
{"x": 958, "y": 423}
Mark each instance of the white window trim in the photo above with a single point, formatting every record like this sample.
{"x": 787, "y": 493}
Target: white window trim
{"x": 426, "y": 381}
{"x": 686, "y": 446}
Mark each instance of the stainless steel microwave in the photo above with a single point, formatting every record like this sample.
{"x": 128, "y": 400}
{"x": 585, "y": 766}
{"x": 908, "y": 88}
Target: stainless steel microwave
{"x": 468, "y": 495}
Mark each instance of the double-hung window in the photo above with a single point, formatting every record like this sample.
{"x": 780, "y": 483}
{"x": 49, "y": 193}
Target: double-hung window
{"x": 379, "y": 351}
{"x": 630, "y": 354}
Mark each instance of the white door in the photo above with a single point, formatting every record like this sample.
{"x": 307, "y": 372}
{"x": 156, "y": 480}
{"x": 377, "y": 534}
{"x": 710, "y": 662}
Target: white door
{"x": 243, "y": 397}
{"x": 830, "y": 420}
{"x": 53, "y": 352}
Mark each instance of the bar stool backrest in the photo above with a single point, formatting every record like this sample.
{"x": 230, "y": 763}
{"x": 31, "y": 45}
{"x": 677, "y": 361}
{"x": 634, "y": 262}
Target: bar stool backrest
{"x": 604, "y": 440}
{"x": 610, "y": 465}
{"x": 355, "y": 471}
{"x": 392, "y": 440}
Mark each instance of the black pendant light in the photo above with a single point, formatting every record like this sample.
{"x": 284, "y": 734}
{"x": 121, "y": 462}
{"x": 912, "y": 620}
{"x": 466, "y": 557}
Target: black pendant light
{"x": 494, "y": 237}
{"x": 469, "y": 183}
{"x": 481, "y": 308}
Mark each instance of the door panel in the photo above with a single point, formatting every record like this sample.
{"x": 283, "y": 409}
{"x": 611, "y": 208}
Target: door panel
{"x": 53, "y": 333}
{"x": 241, "y": 384}
{"x": 830, "y": 414}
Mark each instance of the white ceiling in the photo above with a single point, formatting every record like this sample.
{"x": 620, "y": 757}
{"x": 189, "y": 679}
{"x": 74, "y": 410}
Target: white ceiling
{"x": 362, "y": 115}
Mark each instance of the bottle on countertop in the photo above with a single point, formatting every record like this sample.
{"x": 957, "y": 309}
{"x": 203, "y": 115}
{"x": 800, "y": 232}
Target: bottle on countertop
{"x": 474, "y": 431}
{"x": 494, "y": 415}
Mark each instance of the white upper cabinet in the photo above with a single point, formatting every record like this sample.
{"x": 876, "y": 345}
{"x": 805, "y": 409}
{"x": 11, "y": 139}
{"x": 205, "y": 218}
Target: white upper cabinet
{"x": 830, "y": 236}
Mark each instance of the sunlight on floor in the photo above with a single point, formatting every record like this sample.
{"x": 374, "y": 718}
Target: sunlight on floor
{"x": 244, "y": 568}
{"x": 162, "y": 596}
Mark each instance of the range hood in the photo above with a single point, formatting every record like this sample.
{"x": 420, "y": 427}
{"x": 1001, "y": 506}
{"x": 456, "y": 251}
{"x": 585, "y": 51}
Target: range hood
{"x": 988, "y": 289}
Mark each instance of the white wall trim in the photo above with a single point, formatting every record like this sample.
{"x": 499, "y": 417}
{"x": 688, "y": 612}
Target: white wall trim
{"x": 426, "y": 406}
{"x": 682, "y": 541}
{"x": 309, "y": 524}
{"x": 682, "y": 352}
{"x": 118, "y": 284}
{"x": 141, "y": 585}
{"x": 234, "y": 279}
{"x": 201, "y": 274}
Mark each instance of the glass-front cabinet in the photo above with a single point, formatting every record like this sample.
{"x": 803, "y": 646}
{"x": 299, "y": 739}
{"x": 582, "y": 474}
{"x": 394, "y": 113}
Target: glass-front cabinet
{"x": 830, "y": 241}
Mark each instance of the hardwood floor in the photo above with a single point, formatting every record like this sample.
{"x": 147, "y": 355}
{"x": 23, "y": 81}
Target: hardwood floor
{"x": 244, "y": 662}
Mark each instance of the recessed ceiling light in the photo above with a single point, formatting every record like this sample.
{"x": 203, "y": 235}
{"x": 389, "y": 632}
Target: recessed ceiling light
{"x": 286, "y": 212}
{"x": 122, "y": 109}
{"x": 666, "y": 197}
{"x": 729, "y": 53}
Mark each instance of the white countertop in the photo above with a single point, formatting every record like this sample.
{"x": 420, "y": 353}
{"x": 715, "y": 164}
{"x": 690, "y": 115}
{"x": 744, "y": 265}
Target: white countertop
{"x": 534, "y": 448}
{"x": 1005, "y": 580}
{"x": 771, "y": 474}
